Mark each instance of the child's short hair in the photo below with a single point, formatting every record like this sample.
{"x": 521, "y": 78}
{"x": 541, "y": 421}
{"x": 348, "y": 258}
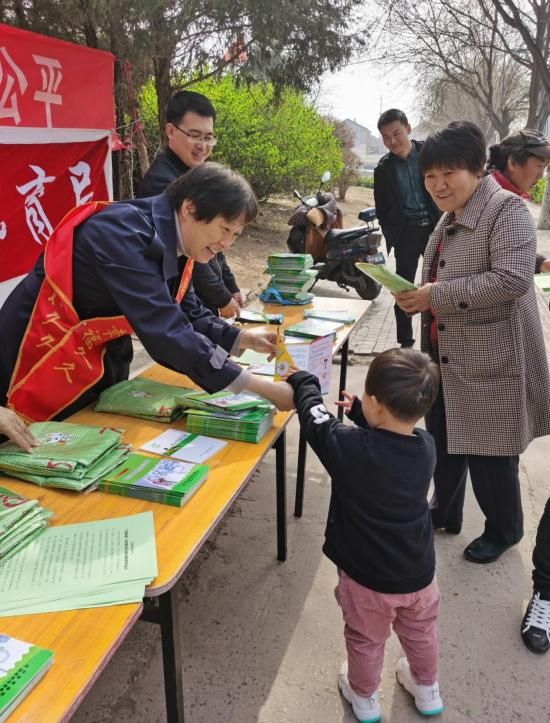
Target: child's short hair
{"x": 405, "y": 381}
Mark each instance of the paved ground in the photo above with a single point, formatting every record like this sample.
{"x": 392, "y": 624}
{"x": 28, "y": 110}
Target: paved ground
{"x": 262, "y": 641}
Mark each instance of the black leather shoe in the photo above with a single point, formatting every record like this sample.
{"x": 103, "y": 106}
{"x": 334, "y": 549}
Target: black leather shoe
{"x": 535, "y": 627}
{"x": 452, "y": 528}
{"x": 482, "y": 550}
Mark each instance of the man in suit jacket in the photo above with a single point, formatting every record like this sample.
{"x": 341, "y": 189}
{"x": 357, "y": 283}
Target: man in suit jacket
{"x": 190, "y": 132}
{"x": 406, "y": 212}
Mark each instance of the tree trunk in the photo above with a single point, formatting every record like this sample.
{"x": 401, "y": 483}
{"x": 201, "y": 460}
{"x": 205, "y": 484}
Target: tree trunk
{"x": 544, "y": 218}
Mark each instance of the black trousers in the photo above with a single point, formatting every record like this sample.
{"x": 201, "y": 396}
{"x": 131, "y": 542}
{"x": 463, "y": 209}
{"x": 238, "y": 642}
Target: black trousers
{"x": 541, "y": 554}
{"x": 408, "y": 250}
{"x": 495, "y": 482}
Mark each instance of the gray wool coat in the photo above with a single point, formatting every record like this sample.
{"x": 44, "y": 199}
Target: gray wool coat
{"x": 494, "y": 368}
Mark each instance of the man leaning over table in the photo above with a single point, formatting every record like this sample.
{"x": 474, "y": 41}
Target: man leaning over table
{"x": 113, "y": 268}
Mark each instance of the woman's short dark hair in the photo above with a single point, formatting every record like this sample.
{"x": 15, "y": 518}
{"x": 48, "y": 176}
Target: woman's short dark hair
{"x": 405, "y": 381}
{"x": 460, "y": 145}
{"x": 390, "y": 116}
{"x": 215, "y": 191}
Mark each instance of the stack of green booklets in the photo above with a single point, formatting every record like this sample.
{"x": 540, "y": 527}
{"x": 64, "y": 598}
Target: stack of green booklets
{"x": 90, "y": 564}
{"x": 142, "y": 398}
{"x": 22, "y": 666}
{"x": 244, "y": 417}
{"x": 21, "y": 520}
{"x": 169, "y": 481}
{"x": 291, "y": 275}
{"x": 70, "y": 456}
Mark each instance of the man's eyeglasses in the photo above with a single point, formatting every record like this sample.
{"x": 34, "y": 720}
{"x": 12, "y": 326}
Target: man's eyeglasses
{"x": 197, "y": 137}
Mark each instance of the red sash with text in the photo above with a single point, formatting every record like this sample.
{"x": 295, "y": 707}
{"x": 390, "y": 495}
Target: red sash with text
{"x": 60, "y": 356}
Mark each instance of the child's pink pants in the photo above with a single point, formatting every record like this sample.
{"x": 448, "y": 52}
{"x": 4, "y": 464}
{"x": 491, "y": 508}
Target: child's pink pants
{"x": 369, "y": 617}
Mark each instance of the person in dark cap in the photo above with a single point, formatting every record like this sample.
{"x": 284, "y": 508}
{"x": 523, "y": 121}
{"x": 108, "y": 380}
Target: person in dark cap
{"x": 517, "y": 163}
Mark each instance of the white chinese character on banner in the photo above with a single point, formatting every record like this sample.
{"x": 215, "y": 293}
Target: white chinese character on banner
{"x": 51, "y": 78}
{"x": 37, "y": 221}
{"x": 3, "y": 230}
{"x": 80, "y": 180}
{"x": 7, "y": 81}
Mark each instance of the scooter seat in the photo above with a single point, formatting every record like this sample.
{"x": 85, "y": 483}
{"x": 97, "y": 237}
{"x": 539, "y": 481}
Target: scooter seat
{"x": 343, "y": 235}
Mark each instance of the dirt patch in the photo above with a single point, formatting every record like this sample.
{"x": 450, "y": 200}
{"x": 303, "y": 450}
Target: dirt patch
{"x": 268, "y": 234}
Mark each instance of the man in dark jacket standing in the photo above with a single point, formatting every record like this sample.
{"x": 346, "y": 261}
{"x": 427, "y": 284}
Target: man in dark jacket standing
{"x": 190, "y": 132}
{"x": 406, "y": 212}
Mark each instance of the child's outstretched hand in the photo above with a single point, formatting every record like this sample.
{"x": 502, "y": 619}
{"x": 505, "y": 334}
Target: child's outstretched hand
{"x": 347, "y": 401}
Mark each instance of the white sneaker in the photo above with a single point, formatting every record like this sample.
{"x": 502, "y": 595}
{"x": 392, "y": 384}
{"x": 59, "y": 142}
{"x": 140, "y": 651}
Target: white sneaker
{"x": 367, "y": 710}
{"x": 426, "y": 697}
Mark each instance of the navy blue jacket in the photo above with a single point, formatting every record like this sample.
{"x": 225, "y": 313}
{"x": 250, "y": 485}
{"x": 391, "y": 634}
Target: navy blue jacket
{"x": 379, "y": 529}
{"x": 214, "y": 281}
{"x": 125, "y": 262}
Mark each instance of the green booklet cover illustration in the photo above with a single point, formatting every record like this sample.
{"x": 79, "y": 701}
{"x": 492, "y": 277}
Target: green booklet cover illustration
{"x": 168, "y": 481}
{"x": 389, "y": 279}
{"x": 143, "y": 398}
{"x": 21, "y": 667}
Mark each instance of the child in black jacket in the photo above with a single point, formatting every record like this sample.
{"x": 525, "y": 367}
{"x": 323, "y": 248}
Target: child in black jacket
{"x": 379, "y": 531}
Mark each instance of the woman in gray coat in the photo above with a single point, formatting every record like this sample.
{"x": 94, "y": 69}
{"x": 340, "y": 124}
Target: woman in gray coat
{"x": 480, "y": 322}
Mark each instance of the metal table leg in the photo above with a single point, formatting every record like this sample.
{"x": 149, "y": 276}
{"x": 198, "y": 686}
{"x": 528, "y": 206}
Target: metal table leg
{"x": 166, "y": 615}
{"x": 343, "y": 373}
{"x": 280, "y": 466}
{"x": 300, "y": 475}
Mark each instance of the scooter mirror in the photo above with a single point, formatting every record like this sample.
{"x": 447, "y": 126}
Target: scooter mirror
{"x": 297, "y": 195}
{"x": 325, "y": 177}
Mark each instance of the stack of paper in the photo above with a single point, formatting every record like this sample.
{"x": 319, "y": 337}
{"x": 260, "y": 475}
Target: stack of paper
{"x": 70, "y": 456}
{"x": 167, "y": 480}
{"x": 21, "y": 520}
{"x": 291, "y": 276}
{"x": 249, "y": 425}
{"x": 340, "y": 315}
{"x": 91, "y": 564}
{"x": 244, "y": 416}
{"x": 313, "y": 328}
{"x": 22, "y": 665}
{"x": 142, "y": 398}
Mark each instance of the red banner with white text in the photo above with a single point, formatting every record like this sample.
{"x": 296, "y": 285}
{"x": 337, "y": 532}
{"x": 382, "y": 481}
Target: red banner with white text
{"x": 40, "y": 183}
{"x": 48, "y": 83}
{"x": 56, "y": 119}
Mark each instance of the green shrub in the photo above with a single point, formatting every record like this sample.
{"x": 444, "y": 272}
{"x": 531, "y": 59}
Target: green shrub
{"x": 537, "y": 191}
{"x": 366, "y": 181}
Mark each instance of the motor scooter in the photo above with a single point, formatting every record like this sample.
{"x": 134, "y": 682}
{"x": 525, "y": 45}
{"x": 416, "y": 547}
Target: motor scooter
{"x": 317, "y": 229}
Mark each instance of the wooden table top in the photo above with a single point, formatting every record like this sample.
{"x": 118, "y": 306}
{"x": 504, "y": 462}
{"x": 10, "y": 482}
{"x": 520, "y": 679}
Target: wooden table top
{"x": 84, "y": 640}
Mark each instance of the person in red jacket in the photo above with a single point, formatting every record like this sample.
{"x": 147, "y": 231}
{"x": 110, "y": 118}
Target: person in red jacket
{"x": 517, "y": 163}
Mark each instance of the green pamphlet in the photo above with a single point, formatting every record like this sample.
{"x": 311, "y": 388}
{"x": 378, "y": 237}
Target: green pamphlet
{"x": 389, "y": 279}
{"x": 169, "y": 481}
{"x": 313, "y": 328}
{"x": 22, "y": 665}
{"x": 338, "y": 315}
{"x": 106, "y": 562}
{"x": 543, "y": 281}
